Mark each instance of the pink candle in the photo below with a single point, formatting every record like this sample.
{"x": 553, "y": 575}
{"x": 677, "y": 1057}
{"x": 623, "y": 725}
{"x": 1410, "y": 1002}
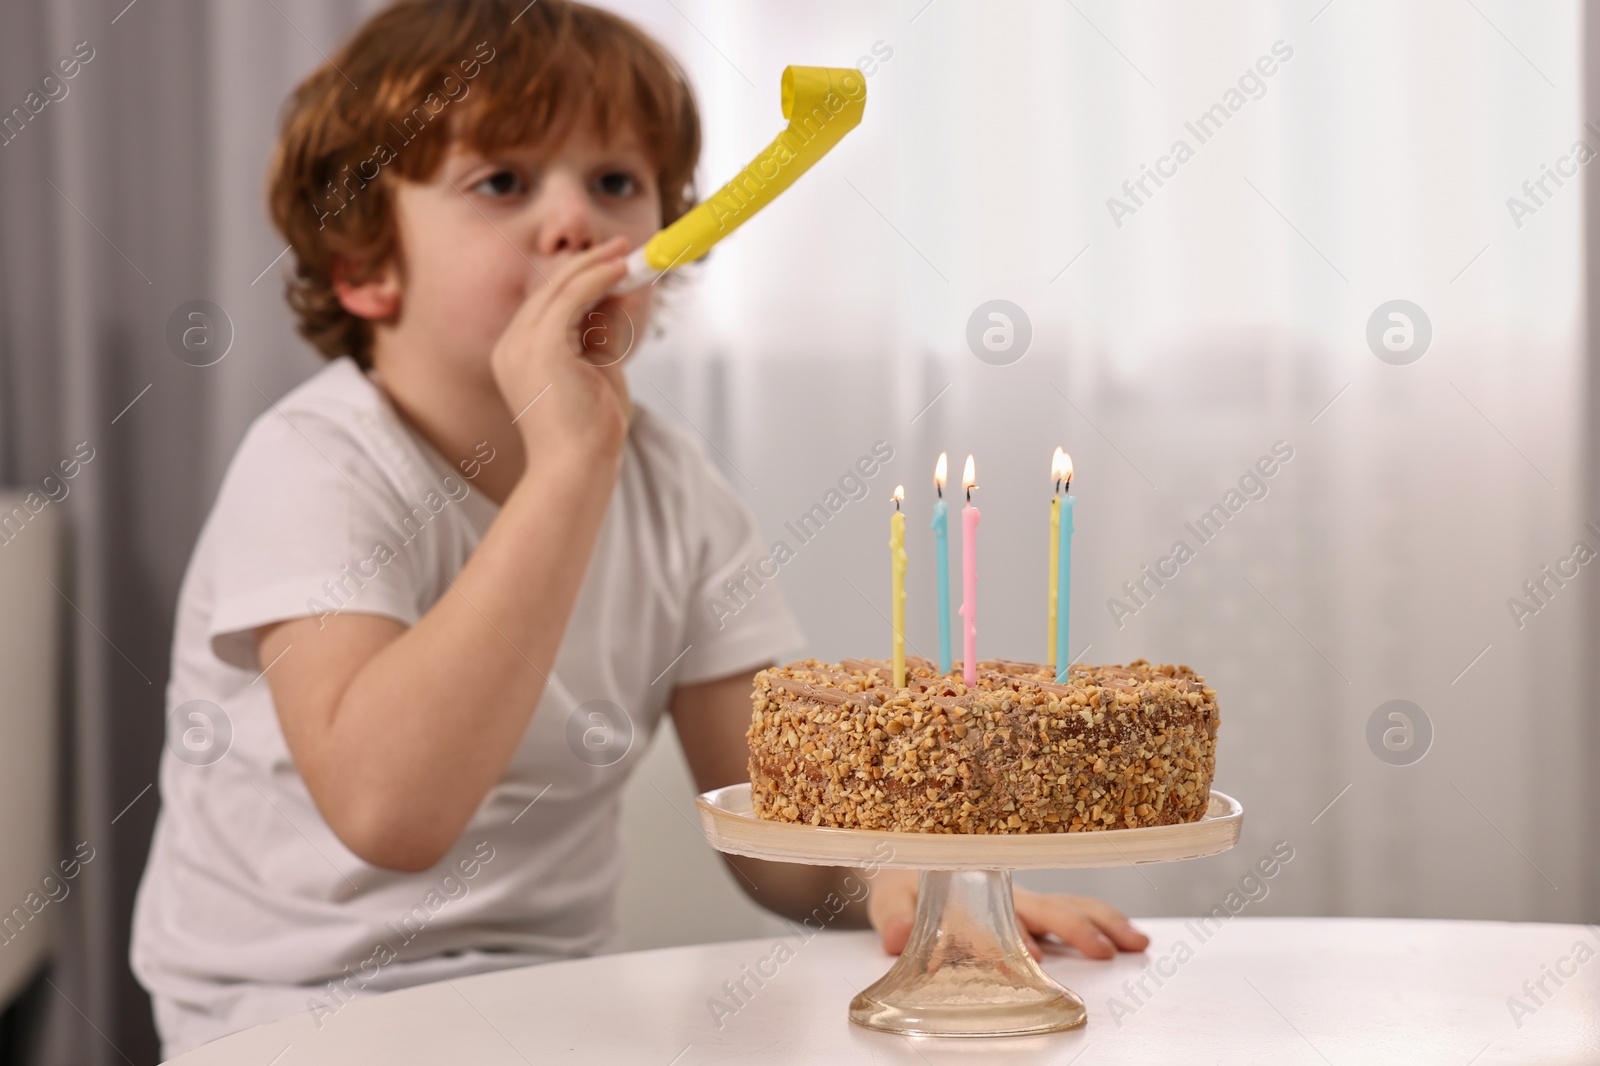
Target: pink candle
{"x": 969, "y": 580}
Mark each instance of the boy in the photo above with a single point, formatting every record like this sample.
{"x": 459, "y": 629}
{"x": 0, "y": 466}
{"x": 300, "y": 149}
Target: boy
{"x": 452, "y": 582}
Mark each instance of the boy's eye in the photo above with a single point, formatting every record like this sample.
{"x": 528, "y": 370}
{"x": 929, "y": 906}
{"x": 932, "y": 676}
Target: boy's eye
{"x": 617, "y": 183}
{"x": 501, "y": 183}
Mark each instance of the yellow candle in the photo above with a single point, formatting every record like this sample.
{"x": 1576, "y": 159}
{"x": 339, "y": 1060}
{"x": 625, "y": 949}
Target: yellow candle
{"x": 1055, "y": 572}
{"x": 897, "y": 557}
{"x": 1055, "y": 557}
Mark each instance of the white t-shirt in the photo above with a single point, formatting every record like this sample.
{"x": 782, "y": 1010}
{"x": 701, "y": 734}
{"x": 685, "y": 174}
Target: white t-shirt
{"x": 250, "y": 905}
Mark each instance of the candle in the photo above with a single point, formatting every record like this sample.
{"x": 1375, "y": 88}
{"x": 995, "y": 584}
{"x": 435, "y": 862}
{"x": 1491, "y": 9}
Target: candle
{"x": 969, "y": 580}
{"x": 941, "y": 560}
{"x": 1064, "y": 577}
{"x": 1055, "y": 558}
{"x": 897, "y": 558}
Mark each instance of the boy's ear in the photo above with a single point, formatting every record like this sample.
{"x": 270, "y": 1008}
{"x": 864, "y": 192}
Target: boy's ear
{"x": 377, "y": 297}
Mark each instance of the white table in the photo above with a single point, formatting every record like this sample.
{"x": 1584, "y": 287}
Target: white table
{"x": 1352, "y": 992}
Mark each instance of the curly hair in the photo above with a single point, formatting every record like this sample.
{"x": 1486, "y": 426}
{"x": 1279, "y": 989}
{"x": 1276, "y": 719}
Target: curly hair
{"x": 500, "y": 74}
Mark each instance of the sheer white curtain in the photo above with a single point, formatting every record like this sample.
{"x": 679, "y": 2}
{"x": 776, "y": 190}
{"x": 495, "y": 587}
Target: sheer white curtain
{"x": 1363, "y": 153}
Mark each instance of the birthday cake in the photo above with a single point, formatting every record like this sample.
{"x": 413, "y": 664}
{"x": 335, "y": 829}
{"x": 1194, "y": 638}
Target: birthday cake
{"x": 1115, "y": 747}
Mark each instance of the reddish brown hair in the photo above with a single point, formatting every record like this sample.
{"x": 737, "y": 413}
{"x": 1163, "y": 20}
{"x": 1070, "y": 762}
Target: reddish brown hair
{"x": 502, "y": 74}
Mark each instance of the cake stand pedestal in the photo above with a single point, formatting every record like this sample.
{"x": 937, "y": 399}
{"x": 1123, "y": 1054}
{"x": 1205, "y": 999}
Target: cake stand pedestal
{"x": 965, "y": 971}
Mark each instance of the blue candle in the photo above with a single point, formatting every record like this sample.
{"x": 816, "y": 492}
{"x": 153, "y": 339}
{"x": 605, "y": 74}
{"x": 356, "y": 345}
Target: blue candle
{"x": 1064, "y": 580}
{"x": 941, "y": 560}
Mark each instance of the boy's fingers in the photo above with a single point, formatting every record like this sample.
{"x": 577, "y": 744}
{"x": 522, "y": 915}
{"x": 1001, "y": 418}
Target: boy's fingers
{"x": 584, "y": 290}
{"x": 896, "y": 934}
{"x": 578, "y": 304}
{"x": 1111, "y": 921}
{"x": 561, "y": 279}
{"x": 892, "y": 907}
{"x": 606, "y": 249}
{"x": 579, "y": 286}
{"x": 1041, "y": 914}
{"x": 1090, "y": 925}
{"x": 566, "y": 277}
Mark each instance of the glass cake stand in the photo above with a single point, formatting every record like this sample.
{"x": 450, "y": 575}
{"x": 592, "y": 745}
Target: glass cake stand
{"x": 965, "y": 971}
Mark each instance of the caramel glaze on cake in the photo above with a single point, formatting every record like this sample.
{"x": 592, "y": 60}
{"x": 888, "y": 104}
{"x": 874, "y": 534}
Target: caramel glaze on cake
{"x": 1116, "y": 747}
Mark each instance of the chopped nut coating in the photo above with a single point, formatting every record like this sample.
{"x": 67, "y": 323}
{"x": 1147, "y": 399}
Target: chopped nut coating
{"x": 1116, "y": 747}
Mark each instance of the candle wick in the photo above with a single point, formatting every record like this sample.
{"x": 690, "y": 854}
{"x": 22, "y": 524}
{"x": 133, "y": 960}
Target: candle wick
{"x": 940, "y": 489}
{"x": 1069, "y": 484}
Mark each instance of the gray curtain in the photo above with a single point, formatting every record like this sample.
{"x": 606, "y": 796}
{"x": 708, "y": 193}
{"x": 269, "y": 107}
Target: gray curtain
{"x": 1590, "y": 741}
{"x": 110, "y": 197}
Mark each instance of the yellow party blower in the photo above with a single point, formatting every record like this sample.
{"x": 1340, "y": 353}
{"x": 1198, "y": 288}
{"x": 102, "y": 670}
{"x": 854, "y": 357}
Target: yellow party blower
{"x": 822, "y": 104}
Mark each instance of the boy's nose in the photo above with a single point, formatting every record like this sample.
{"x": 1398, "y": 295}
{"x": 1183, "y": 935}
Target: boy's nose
{"x": 571, "y": 243}
{"x": 567, "y": 226}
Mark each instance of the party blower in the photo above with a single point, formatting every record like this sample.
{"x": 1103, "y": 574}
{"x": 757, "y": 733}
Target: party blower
{"x": 822, "y": 104}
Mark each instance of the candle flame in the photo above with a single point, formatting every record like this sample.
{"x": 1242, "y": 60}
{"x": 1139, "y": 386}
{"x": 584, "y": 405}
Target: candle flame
{"x": 969, "y": 475}
{"x": 941, "y": 469}
{"x": 1058, "y": 462}
{"x": 899, "y": 494}
{"x": 1066, "y": 468}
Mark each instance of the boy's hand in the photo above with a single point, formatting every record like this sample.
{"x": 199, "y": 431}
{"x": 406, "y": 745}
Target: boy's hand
{"x": 1092, "y": 926}
{"x": 582, "y": 398}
